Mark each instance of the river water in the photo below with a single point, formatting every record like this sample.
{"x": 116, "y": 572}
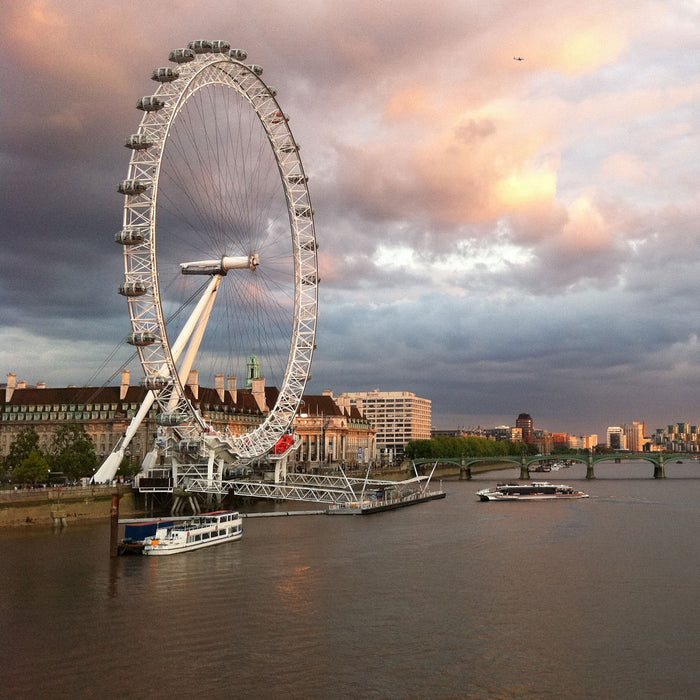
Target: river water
{"x": 594, "y": 598}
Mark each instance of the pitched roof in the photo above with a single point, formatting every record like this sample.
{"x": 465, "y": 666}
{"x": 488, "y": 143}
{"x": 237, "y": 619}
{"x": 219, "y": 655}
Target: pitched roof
{"x": 316, "y": 405}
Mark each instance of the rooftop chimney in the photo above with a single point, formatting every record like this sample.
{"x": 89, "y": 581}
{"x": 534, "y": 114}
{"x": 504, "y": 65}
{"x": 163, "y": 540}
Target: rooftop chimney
{"x": 11, "y": 385}
{"x": 126, "y": 381}
{"x": 258, "y": 391}
{"x": 193, "y": 383}
{"x": 232, "y": 390}
{"x": 219, "y": 386}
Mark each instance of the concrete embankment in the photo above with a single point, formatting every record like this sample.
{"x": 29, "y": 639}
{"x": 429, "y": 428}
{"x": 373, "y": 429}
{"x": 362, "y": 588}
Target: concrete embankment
{"x": 37, "y": 507}
{"x": 441, "y": 471}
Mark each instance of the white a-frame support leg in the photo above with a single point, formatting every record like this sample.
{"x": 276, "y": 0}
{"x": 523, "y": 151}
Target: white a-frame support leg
{"x": 197, "y": 320}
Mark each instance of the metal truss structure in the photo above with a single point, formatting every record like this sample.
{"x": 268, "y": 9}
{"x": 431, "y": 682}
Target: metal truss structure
{"x": 234, "y": 230}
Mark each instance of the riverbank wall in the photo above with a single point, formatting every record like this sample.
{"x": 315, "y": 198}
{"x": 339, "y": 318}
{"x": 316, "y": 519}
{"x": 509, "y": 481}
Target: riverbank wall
{"x": 441, "y": 471}
{"x": 38, "y": 507}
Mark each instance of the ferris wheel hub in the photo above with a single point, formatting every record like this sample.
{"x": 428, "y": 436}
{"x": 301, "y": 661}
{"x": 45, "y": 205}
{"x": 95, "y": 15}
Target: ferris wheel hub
{"x": 222, "y": 266}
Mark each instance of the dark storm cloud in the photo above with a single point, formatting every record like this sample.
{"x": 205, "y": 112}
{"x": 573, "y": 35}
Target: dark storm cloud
{"x": 495, "y": 236}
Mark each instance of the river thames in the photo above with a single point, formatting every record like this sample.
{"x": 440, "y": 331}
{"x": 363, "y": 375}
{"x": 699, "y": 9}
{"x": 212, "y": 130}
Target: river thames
{"x": 594, "y": 598}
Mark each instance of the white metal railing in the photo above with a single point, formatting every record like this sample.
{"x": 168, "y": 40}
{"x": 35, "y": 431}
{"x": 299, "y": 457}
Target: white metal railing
{"x": 330, "y": 480}
{"x": 253, "y": 489}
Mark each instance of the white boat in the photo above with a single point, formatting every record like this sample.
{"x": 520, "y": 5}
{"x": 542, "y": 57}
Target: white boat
{"x": 535, "y": 491}
{"x": 203, "y": 530}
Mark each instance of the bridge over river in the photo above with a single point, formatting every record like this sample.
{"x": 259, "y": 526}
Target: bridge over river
{"x": 527, "y": 463}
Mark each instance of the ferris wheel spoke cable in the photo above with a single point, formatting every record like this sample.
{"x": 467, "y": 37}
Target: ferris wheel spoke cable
{"x": 134, "y": 355}
{"x": 209, "y": 192}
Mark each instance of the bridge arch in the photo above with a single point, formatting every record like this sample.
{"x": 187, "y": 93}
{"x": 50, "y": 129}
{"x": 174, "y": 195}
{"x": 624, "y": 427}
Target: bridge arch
{"x": 465, "y": 463}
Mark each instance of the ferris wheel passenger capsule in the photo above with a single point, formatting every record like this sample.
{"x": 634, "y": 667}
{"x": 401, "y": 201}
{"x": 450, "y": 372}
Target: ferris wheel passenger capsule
{"x": 133, "y": 289}
{"x": 258, "y": 70}
{"x": 189, "y": 447}
{"x": 141, "y": 339}
{"x": 132, "y": 187}
{"x": 201, "y": 46}
{"x": 218, "y": 46}
{"x": 129, "y": 236}
{"x": 238, "y": 54}
{"x": 181, "y": 56}
{"x": 155, "y": 381}
{"x": 150, "y": 103}
{"x": 170, "y": 418}
{"x": 165, "y": 75}
{"x": 138, "y": 142}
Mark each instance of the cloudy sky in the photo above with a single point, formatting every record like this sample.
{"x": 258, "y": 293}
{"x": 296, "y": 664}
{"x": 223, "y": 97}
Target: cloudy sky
{"x": 496, "y": 235}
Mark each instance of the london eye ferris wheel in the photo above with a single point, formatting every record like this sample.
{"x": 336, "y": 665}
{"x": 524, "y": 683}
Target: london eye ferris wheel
{"x": 220, "y": 254}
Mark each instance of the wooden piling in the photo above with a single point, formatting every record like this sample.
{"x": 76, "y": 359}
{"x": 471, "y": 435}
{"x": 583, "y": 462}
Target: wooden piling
{"x": 114, "y": 526}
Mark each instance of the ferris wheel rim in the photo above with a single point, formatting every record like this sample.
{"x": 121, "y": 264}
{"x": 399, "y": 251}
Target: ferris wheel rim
{"x": 141, "y": 263}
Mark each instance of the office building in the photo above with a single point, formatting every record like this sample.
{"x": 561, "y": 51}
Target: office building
{"x": 634, "y": 434}
{"x": 616, "y": 438}
{"x": 524, "y": 422}
{"x": 397, "y": 416}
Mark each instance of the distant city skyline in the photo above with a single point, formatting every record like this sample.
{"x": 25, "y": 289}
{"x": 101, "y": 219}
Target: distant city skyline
{"x": 496, "y": 422}
{"x": 498, "y": 236}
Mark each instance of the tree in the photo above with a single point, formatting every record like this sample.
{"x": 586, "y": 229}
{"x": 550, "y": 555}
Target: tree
{"x": 26, "y": 442}
{"x": 34, "y": 469}
{"x": 127, "y": 468}
{"x": 72, "y": 452}
{"x": 451, "y": 447}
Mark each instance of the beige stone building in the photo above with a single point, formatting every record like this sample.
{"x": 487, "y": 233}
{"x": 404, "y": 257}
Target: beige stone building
{"x": 328, "y": 433}
{"x": 332, "y": 434}
{"x": 397, "y": 416}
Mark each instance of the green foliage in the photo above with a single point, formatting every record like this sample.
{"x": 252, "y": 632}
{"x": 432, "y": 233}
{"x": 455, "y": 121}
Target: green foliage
{"x": 451, "y": 447}
{"x": 127, "y": 468}
{"x": 34, "y": 469}
{"x": 72, "y": 452}
{"x": 26, "y": 442}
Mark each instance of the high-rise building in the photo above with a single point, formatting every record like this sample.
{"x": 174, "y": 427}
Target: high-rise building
{"x": 680, "y": 437}
{"x": 397, "y": 416}
{"x": 524, "y": 422}
{"x": 560, "y": 441}
{"x": 634, "y": 433}
{"x": 616, "y": 438}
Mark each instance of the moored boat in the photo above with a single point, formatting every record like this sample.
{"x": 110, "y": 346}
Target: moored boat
{"x": 534, "y": 491}
{"x": 135, "y": 532}
{"x": 201, "y": 531}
